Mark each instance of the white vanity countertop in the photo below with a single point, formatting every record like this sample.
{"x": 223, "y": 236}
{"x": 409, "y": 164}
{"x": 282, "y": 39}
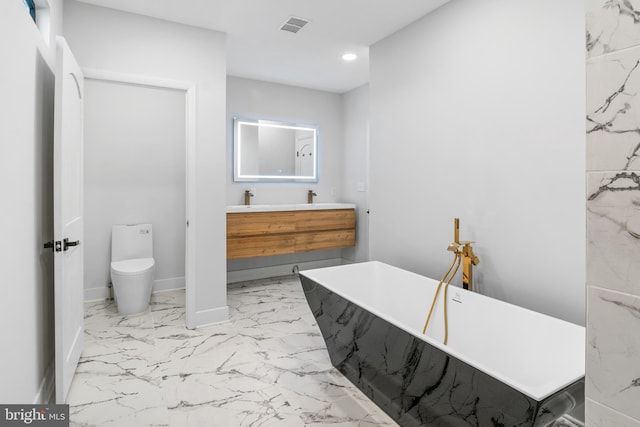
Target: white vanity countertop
{"x": 289, "y": 207}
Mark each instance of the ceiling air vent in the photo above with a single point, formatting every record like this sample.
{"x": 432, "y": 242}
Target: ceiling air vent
{"x": 293, "y": 25}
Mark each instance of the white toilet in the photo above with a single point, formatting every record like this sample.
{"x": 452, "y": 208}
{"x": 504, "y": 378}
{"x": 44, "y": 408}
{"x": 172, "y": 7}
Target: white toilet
{"x": 132, "y": 266}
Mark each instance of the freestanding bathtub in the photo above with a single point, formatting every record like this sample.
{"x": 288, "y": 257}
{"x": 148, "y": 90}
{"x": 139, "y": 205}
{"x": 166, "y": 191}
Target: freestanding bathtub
{"x": 503, "y": 366}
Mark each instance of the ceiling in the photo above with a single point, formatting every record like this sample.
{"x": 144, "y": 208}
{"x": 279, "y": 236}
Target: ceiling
{"x": 258, "y": 49}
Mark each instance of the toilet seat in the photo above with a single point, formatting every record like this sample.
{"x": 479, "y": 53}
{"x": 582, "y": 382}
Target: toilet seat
{"x": 131, "y": 267}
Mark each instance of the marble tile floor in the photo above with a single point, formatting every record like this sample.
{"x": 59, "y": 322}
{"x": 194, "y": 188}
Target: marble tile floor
{"x": 267, "y": 366}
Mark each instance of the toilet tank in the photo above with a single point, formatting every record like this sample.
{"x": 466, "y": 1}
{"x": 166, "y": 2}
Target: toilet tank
{"x": 131, "y": 241}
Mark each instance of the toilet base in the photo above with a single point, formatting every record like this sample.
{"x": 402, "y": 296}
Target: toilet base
{"x": 129, "y": 308}
{"x": 133, "y": 292}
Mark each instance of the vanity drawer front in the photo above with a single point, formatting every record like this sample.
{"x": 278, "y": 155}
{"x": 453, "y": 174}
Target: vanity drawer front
{"x": 254, "y": 246}
{"x": 331, "y": 219}
{"x": 321, "y": 240}
{"x": 256, "y": 234}
{"x": 259, "y": 223}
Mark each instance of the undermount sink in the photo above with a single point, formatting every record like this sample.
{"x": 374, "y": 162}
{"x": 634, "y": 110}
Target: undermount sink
{"x": 289, "y": 207}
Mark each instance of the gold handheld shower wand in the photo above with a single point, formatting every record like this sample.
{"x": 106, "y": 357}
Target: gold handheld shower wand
{"x": 446, "y": 287}
{"x": 457, "y": 258}
{"x": 468, "y": 259}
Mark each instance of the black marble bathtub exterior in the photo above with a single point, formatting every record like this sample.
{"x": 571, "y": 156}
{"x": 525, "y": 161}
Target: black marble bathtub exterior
{"x": 418, "y": 384}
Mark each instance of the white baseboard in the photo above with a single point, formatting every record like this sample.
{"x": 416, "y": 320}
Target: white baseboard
{"x": 162, "y": 285}
{"x": 96, "y": 294}
{"x": 47, "y": 386}
{"x": 278, "y": 270}
{"x": 208, "y": 317}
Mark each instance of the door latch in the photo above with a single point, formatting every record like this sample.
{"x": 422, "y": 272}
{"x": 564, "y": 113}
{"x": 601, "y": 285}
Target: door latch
{"x": 67, "y": 244}
{"x": 54, "y": 245}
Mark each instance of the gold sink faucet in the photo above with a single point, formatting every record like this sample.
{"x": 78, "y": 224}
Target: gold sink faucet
{"x": 310, "y": 195}
{"x": 247, "y": 197}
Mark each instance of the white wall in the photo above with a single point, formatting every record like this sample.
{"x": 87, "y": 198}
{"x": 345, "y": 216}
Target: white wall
{"x": 356, "y": 174}
{"x": 111, "y": 40}
{"x": 477, "y": 112}
{"x": 134, "y": 159}
{"x": 257, "y": 99}
{"x": 26, "y": 153}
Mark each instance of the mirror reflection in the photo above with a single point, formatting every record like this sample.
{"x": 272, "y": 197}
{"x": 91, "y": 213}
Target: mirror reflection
{"x": 266, "y": 150}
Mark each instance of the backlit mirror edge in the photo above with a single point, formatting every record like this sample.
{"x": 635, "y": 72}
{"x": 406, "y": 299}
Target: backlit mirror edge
{"x": 236, "y": 157}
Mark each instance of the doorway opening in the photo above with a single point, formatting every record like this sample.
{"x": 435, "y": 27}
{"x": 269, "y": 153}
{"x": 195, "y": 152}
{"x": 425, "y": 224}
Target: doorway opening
{"x": 139, "y": 156}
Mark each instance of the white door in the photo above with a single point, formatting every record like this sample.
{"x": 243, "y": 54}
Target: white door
{"x": 67, "y": 206}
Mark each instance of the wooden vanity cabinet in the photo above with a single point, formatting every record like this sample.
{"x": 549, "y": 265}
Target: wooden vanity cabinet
{"x": 254, "y": 234}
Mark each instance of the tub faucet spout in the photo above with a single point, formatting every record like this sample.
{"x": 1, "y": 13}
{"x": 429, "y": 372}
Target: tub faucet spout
{"x": 469, "y": 259}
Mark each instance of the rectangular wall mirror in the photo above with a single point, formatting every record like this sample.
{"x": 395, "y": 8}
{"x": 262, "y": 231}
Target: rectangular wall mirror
{"x": 270, "y": 151}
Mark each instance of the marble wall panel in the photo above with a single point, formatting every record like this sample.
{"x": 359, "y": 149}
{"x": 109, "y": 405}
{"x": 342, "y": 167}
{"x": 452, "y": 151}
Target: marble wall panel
{"x": 613, "y": 351}
{"x": 613, "y": 111}
{"x": 613, "y": 231}
{"x": 612, "y": 25}
{"x": 613, "y": 212}
{"x": 601, "y": 416}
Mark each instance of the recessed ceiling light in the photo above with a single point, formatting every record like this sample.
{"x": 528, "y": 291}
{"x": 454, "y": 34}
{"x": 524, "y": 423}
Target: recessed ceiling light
{"x": 349, "y": 56}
